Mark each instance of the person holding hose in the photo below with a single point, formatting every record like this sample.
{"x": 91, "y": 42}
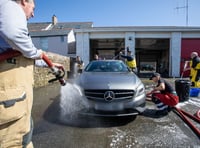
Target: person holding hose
{"x": 163, "y": 95}
{"x": 16, "y": 73}
{"x": 130, "y": 60}
{"x": 195, "y": 70}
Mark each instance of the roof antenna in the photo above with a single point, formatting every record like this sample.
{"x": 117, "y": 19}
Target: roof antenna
{"x": 184, "y": 7}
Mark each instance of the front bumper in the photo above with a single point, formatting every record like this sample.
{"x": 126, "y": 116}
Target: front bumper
{"x": 121, "y": 108}
{"x": 92, "y": 112}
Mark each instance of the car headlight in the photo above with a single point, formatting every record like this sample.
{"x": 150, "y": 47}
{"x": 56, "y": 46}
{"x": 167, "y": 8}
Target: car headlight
{"x": 140, "y": 89}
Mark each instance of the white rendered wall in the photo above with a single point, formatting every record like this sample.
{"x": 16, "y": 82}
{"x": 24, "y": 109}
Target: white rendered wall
{"x": 83, "y": 47}
{"x": 130, "y": 41}
{"x": 175, "y": 54}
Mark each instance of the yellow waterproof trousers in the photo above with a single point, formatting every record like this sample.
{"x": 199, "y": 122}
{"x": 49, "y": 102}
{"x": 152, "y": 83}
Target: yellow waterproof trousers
{"x": 16, "y": 97}
{"x": 194, "y": 74}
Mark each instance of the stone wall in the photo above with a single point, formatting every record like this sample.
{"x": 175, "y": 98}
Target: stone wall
{"x": 42, "y": 75}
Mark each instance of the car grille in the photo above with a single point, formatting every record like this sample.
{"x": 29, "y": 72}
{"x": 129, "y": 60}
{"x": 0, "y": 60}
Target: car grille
{"x": 99, "y": 95}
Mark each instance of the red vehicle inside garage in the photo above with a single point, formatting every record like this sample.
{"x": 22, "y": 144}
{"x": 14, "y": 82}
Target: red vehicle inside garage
{"x": 188, "y": 46}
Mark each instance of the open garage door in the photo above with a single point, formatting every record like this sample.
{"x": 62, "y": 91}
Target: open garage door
{"x": 106, "y": 48}
{"x": 152, "y": 56}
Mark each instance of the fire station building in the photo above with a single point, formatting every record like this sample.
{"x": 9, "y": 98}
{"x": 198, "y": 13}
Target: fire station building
{"x": 163, "y": 49}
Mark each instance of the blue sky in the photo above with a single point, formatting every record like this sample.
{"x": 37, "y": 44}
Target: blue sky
{"x": 119, "y": 12}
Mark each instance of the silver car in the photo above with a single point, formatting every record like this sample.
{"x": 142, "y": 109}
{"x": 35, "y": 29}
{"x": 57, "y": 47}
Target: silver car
{"x": 112, "y": 89}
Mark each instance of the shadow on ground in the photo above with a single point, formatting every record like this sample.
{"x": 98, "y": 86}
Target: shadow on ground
{"x": 54, "y": 115}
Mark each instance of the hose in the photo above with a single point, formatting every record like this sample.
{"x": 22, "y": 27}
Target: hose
{"x": 58, "y": 72}
{"x": 183, "y": 115}
{"x": 197, "y": 114}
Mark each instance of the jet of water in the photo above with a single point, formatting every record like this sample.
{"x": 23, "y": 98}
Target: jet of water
{"x": 72, "y": 99}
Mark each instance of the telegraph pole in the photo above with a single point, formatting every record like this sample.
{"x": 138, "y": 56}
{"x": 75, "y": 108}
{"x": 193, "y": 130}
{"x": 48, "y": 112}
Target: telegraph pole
{"x": 185, "y": 7}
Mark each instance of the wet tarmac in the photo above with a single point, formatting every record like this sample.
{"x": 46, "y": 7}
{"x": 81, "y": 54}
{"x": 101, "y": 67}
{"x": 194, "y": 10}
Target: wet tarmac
{"x": 58, "y": 124}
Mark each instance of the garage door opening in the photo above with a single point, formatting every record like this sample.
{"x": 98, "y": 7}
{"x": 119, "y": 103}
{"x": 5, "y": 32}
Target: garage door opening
{"x": 106, "y": 48}
{"x": 152, "y": 56}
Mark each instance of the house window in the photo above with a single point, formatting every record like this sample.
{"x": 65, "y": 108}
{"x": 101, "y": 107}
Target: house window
{"x": 78, "y": 26}
{"x": 44, "y": 43}
{"x": 62, "y": 39}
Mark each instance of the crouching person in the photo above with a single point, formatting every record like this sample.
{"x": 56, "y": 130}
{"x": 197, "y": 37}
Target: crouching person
{"x": 163, "y": 95}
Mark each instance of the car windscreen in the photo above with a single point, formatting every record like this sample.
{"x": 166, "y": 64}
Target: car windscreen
{"x": 106, "y": 66}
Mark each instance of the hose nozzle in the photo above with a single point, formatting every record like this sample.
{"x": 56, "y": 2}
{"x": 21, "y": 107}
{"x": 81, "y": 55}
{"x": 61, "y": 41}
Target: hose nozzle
{"x": 58, "y": 72}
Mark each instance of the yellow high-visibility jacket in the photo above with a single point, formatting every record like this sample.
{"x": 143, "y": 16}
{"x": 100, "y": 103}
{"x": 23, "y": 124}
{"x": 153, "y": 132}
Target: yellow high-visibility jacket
{"x": 131, "y": 64}
{"x": 195, "y": 72}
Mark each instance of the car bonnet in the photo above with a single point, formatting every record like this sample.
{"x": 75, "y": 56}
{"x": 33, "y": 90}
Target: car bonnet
{"x": 109, "y": 80}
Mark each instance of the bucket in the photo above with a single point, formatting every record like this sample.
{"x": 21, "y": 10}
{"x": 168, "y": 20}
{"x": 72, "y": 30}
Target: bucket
{"x": 194, "y": 92}
{"x": 183, "y": 89}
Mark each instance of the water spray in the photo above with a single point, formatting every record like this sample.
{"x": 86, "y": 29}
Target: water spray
{"x": 72, "y": 100}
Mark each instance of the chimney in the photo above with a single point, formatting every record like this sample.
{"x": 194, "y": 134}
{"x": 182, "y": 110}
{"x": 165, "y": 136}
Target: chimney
{"x": 54, "y": 20}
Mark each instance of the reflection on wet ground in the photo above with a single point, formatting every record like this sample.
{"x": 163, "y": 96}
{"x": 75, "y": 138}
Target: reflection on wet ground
{"x": 59, "y": 124}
